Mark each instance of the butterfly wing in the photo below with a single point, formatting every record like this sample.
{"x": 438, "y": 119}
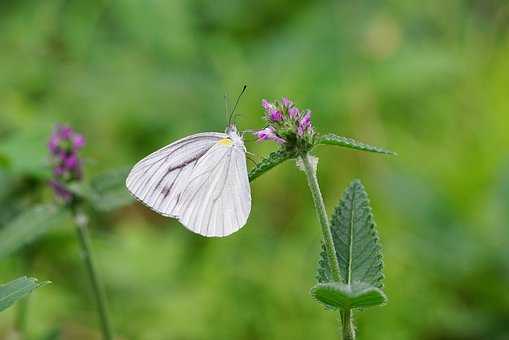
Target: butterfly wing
{"x": 217, "y": 198}
{"x": 159, "y": 179}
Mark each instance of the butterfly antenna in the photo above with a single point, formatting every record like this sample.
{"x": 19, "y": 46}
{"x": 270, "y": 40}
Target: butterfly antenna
{"x": 225, "y": 105}
{"x": 236, "y": 103}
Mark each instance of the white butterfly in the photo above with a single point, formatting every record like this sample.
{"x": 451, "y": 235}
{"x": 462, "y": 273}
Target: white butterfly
{"x": 201, "y": 180}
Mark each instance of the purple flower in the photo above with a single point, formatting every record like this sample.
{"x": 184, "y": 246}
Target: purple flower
{"x": 269, "y": 134}
{"x": 53, "y": 144}
{"x": 64, "y": 145}
{"x": 287, "y": 102}
{"x": 294, "y": 112}
{"x": 275, "y": 115}
{"x": 60, "y": 190}
{"x": 71, "y": 161}
{"x": 78, "y": 141}
{"x": 287, "y": 124}
{"x": 267, "y": 106}
{"x": 264, "y": 134}
{"x": 65, "y": 132}
{"x": 304, "y": 124}
{"x": 58, "y": 170}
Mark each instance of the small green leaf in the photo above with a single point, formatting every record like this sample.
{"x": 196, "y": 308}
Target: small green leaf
{"x": 28, "y": 226}
{"x": 17, "y": 289}
{"x": 331, "y": 139}
{"x": 334, "y": 295}
{"x": 275, "y": 158}
{"x": 355, "y": 239}
{"x": 107, "y": 191}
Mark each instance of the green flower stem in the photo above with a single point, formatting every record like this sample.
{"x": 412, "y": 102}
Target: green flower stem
{"x": 347, "y": 322}
{"x": 100, "y": 297}
{"x": 322, "y": 216}
{"x": 310, "y": 170}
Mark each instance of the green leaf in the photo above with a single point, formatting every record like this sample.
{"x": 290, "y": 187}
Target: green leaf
{"x": 25, "y": 152}
{"x": 28, "y": 226}
{"x": 355, "y": 239}
{"x": 17, "y": 289}
{"x": 334, "y": 295}
{"x": 275, "y": 158}
{"x": 332, "y": 139}
{"x": 107, "y": 191}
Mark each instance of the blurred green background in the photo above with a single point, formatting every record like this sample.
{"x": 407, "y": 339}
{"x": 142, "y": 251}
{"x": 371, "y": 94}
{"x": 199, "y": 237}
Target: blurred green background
{"x": 429, "y": 80}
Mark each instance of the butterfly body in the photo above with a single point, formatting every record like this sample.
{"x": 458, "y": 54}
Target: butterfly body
{"x": 201, "y": 180}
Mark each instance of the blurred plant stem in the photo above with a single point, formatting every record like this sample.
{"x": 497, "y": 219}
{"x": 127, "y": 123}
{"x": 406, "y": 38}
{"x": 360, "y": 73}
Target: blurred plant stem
{"x": 22, "y": 309}
{"x": 21, "y": 318}
{"x": 86, "y": 249}
{"x": 310, "y": 169}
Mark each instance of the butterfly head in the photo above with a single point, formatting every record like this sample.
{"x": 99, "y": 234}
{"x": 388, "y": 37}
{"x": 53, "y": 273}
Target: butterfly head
{"x": 234, "y": 135}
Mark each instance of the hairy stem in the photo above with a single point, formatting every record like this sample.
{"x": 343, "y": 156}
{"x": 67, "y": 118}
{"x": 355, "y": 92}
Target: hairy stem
{"x": 322, "y": 216}
{"x": 100, "y": 297}
{"x": 347, "y": 322}
{"x": 310, "y": 170}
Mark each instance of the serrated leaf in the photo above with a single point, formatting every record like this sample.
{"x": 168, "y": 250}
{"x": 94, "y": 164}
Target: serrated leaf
{"x": 331, "y": 139}
{"x": 272, "y": 160}
{"x": 355, "y": 239}
{"x": 28, "y": 226}
{"x": 334, "y": 295}
{"x": 107, "y": 191}
{"x": 17, "y": 289}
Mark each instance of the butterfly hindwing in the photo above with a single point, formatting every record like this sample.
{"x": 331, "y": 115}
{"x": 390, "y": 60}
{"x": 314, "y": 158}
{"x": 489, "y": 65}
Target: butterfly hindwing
{"x": 217, "y": 199}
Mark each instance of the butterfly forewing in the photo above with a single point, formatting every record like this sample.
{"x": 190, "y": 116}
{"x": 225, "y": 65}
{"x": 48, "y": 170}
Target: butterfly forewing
{"x": 158, "y": 179}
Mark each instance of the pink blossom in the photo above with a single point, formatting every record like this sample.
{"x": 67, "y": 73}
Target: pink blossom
{"x": 71, "y": 161}
{"x": 267, "y": 106}
{"x": 269, "y": 134}
{"x": 304, "y": 123}
{"x": 287, "y": 102}
{"x": 78, "y": 141}
{"x": 294, "y": 112}
{"x": 275, "y": 115}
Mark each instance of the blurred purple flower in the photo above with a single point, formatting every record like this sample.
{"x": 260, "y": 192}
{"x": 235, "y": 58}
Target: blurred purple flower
{"x": 53, "y": 144}
{"x": 60, "y": 190}
{"x": 65, "y": 132}
{"x": 78, "y": 141}
{"x": 71, "y": 162}
{"x": 63, "y": 146}
{"x": 58, "y": 170}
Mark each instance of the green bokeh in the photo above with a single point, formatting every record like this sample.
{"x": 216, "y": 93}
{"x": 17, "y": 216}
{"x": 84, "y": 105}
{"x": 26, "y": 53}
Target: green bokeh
{"x": 429, "y": 80}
